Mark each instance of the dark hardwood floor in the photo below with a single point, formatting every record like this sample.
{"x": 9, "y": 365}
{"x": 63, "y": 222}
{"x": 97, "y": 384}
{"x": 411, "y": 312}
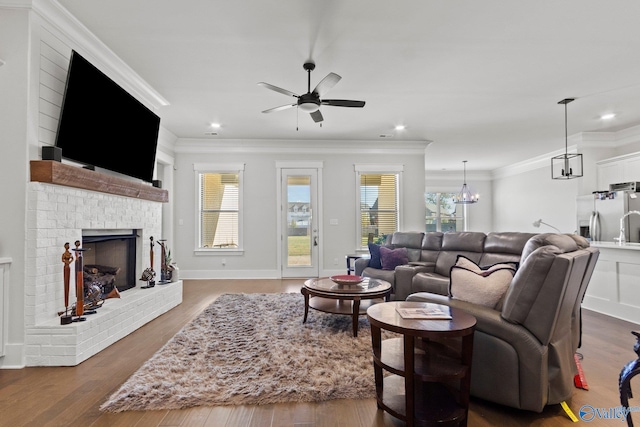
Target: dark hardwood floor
{"x": 71, "y": 396}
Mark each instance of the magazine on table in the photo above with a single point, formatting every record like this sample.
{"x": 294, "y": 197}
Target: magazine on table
{"x": 430, "y": 312}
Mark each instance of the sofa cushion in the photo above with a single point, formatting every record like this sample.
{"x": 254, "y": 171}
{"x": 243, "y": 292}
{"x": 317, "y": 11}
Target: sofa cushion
{"x": 391, "y": 258}
{"x": 467, "y": 243}
{"x": 480, "y": 285}
{"x": 374, "y": 252}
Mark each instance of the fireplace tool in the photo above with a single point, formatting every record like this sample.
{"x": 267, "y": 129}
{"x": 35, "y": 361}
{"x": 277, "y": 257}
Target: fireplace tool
{"x": 164, "y": 268}
{"x": 149, "y": 274}
{"x": 67, "y": 258}
{"x": 79, "y": 284}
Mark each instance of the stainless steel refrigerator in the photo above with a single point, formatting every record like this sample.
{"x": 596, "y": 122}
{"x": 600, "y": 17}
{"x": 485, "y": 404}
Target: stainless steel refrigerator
{"x": 599, "y": 215}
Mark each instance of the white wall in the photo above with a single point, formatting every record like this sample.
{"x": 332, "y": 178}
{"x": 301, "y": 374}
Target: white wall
{"x": 260, "y": 189}
{"x": 519, "y": 200}
{"x": 14, "y": 78}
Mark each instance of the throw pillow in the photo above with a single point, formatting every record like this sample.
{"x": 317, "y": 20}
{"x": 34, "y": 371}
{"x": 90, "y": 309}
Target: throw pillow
{"x": 391, "y": 258}
{"x": 374, "y": 251}
{"x": 480, "y": 285}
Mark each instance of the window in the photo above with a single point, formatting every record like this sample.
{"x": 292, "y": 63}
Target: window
{"x": 442, "y": 214}
{"x": 378, "y": 204}
{"x": 220, "y": 202}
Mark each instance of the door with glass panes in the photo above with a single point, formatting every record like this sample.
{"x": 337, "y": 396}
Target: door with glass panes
{"x": 300, "y": 237}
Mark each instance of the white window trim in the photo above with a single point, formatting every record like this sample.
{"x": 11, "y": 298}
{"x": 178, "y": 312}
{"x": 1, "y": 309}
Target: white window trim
{"x": 238, "y": 168}
{"x": 465, "y": 211}
{"x": 359, "y": 169}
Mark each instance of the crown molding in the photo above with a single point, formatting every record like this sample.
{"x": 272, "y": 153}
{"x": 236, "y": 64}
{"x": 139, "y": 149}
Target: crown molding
{"x": 628, "y": 136}
{"x": 60, "y": 19}
{"x": 188, "y": 145}
{"x": 577, "y": 141}
{"x": 457, "y": 176}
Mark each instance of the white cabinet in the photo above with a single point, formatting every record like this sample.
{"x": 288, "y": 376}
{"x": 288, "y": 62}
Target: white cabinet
{"x": 618, "y": 169}
{"x": 613, "y": 289}
{"x": 631, "y": 169}
{"x": 609, "y": 173}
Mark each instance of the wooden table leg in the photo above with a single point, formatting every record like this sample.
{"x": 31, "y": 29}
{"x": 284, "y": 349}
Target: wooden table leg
{"x": 409, "y": 387}
{"x": 376, "y": 344}
{"x": 306, "y": 304}
{"x": 356, "y": 312}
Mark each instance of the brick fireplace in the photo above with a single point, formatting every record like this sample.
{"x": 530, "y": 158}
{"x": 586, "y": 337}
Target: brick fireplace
{"x": 58, "y": 214}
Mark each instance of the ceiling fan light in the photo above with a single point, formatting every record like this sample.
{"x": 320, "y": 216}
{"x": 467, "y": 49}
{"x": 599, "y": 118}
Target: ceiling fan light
{"x": 309, "y": 107}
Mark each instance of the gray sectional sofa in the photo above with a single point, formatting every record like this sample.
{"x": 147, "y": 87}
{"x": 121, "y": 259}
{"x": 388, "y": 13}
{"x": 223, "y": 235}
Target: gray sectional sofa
{"x": 524, "y": 346}
{"x": 431, "y": 256}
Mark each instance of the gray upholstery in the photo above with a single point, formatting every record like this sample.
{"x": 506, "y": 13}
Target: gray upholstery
{"x": 431, "y": 256}
{"x": 524, "y": 354}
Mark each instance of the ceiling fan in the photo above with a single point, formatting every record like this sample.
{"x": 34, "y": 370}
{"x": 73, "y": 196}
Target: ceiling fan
{"x": 311, "y": 101}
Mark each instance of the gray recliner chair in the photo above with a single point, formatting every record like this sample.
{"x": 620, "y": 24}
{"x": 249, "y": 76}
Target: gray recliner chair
{"x": 523, "y": 354}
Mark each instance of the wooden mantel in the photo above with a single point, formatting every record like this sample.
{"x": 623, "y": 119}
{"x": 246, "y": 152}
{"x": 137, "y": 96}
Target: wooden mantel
{"x": 52, "y": 172}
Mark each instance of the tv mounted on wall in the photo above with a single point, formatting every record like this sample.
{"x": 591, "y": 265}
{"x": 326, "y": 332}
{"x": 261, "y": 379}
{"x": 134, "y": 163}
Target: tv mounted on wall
{"x": 102, "y": 125}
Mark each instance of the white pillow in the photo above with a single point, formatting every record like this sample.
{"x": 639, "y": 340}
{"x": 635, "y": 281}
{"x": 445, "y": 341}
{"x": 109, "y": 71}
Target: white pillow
{"x": 480, "y": 285}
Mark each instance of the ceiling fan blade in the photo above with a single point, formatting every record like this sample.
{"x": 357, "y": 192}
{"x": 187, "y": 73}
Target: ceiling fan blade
{"x": 278, "y": 89}
{"x": 316, "y": 116}
{"x": 280, "y": 108}
{"x": 327, "y": 83}
{"x": 343, "y": 103}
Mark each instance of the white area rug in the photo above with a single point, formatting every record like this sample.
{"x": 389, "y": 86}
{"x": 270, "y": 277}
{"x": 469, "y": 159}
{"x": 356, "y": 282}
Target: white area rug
{"x": 253, "y": 349}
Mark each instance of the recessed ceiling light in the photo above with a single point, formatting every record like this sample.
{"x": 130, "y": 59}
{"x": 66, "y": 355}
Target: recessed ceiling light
{"x": 215, "y": 125}
{"x": 400, "y": 127}
{"x": 608, "y": 116}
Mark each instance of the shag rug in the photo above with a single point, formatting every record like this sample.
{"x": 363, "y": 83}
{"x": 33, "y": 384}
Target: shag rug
{"x": 254, "y": 349}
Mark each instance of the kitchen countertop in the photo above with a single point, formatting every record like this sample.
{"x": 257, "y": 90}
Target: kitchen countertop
{"x": 615, "y": 245}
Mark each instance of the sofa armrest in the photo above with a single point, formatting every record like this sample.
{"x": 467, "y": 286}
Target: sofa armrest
{"x": 404, "y": 277}
{"x": 488, "y": 319}
{"x": 359, "y": 265}
{"x": 532, "y": 356}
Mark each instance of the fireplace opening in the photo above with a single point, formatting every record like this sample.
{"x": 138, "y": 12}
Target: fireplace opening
{"x": 110, "y": 255}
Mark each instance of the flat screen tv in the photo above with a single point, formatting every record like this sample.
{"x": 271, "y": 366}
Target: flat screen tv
{"x": 102, "y": 125}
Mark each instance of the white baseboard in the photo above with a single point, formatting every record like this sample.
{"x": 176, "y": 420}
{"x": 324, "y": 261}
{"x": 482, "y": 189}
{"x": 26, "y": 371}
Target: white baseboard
{"x": 13, "y": 357}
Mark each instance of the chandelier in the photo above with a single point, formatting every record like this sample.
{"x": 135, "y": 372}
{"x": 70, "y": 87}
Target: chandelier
{"x": 465, "y": 196}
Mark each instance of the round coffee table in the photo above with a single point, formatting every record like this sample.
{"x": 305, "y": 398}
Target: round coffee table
{"x": 323, "y": 294}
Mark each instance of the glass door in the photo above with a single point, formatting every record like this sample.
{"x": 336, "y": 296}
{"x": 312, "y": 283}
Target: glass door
{"x": 300, "y": 240}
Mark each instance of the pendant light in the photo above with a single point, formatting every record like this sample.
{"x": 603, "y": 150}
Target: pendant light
{"x": 465, "y": 197}
{"x": 566, "y": 166}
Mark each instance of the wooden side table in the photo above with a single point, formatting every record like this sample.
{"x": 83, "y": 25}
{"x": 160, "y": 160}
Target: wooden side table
{"x": 429, "y": 354}
{"x": 350, "y": 259}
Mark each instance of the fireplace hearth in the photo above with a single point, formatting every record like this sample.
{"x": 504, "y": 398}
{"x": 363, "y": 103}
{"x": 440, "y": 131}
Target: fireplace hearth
{"x": 60, "y": 214}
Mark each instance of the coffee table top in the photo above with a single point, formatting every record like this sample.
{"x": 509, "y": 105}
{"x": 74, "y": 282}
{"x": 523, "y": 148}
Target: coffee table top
{"x": 367, "y": 286}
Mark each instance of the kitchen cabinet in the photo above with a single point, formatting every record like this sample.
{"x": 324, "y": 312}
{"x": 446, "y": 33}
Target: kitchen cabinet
{"x": 618, "y": 169}
{"x": 614, "y": 287}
